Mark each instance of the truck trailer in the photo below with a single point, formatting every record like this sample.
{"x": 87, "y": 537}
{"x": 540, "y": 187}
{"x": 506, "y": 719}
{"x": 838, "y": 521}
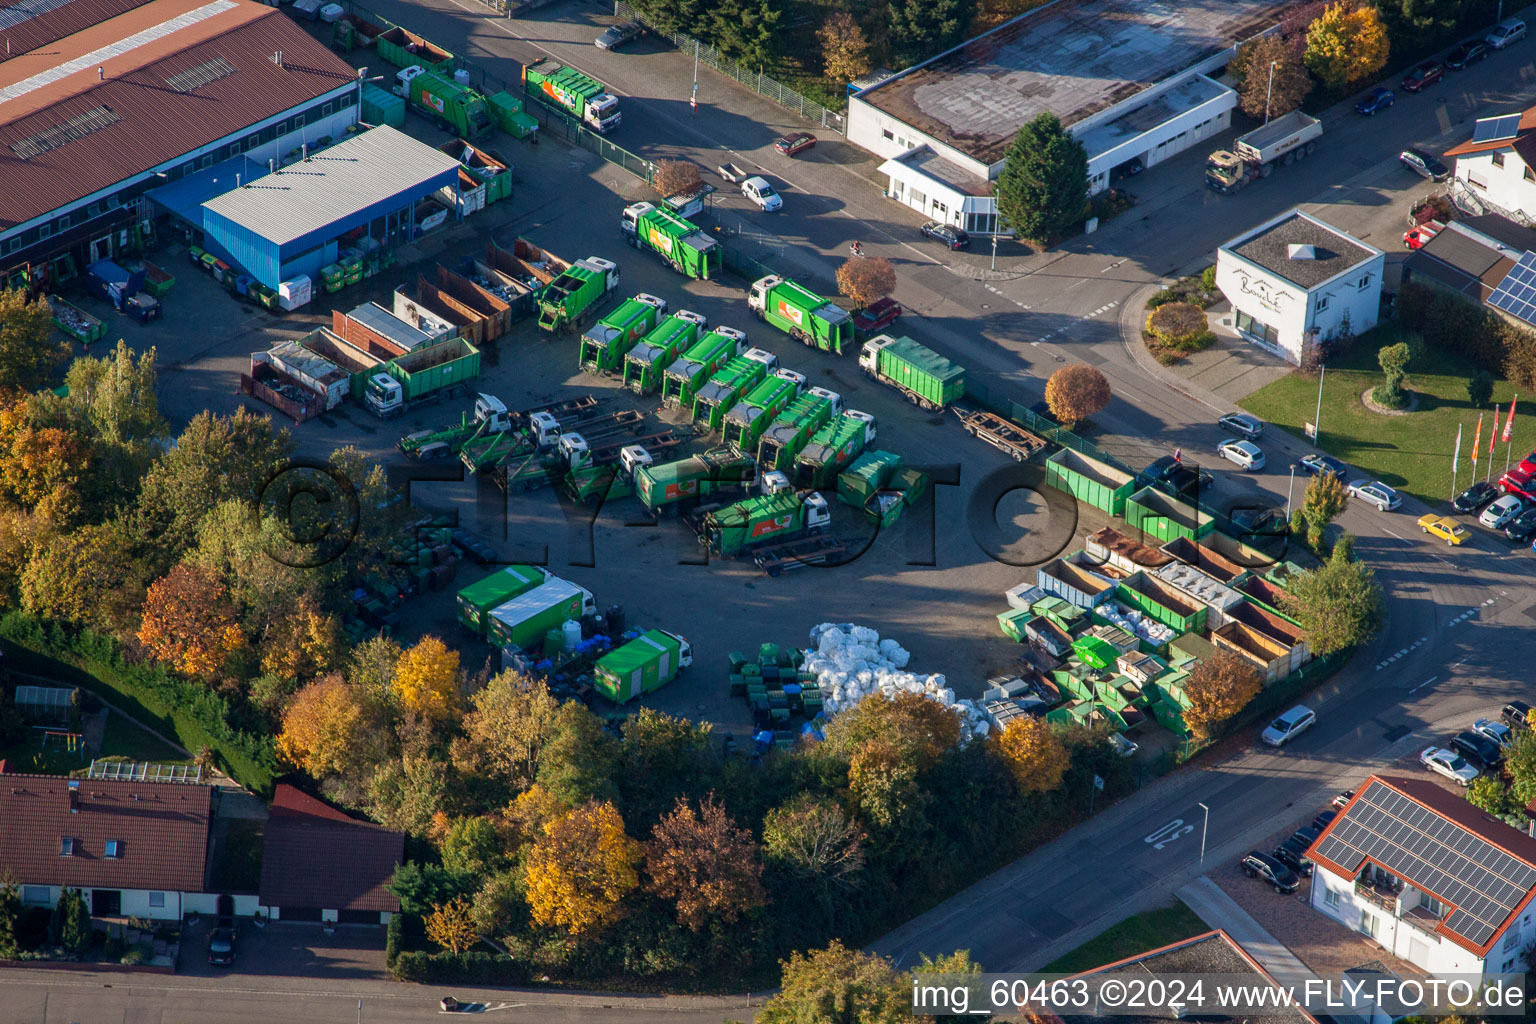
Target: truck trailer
{"x": 579, "y": 95}
{"x": 832, "y": 448}
{"x": 320, "y": 375}
{"x": 1284, "y": 140}
{"x": 645, "y": 363}
{"x": 927, "y": 379}
{"x": 791, "y": 431}
{"x": 648, "y": 662}
{"x": 523, "y": 621}
{"x": 478, "y": 600}
{"x": 688, "y": 249}
{"x": 404, "y": 49}
{"x": 681, "y": 380}
{"x": 576, "y": 291}
{"x": 425, "y": 374}
{"x": 801, "y": 313}
{"x": 671, "y": 487}
{"x": 770, "y": 518}
{"x": 747, "y": 420}
{"x": 716, "y": 396}
{"x": 444, "y": 102}
{"x": 606, "y": 342}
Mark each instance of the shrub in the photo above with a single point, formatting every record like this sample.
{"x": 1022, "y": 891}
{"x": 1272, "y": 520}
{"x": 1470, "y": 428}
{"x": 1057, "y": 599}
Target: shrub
{"x": 1175, "y": 328}
{"x": 1480, "y": 388}
{"x": 392, "y": 938}
{"x": 137, "y": 956}
{"x": 1163, "y": 295}
{"x": 1208, "y": 278}
{"x": 473, "y": 968}
{"x": 114, "y": 948}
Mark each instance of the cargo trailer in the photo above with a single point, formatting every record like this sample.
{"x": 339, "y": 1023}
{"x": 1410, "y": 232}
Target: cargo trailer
{"x": 606, "y": 343}
{"x": 681, "y": 381}
{"x": 496, "y": 311}
{"x": 832, "y": 448}
{"x": 523, "y": 621}
{"x": 1004, "y": 435}
{"x": 648, "y": 360}
{"x": 927, "y": 379}
{"x": 686, "y": 248}
{"x": 791, "y": 431}
{"x": 1073, "y": 583}
{"x": 478, "y": 600}
{"x": 744, "y": 424}
{"x": 75, "y": 322}
{"x": 648, "y": 662}
{"x": 1087, "y": 479}
{"x": 575, "y": 93}
{"x": 672, "y": 487}
{"x": 422, "y": 375}
{"x": 716, "y": 396}
{"x": 801, "y": 313}
{"x": 576, "y": 292}
{"x": 1162, "y": 602}
{"x": 267, "y": 384}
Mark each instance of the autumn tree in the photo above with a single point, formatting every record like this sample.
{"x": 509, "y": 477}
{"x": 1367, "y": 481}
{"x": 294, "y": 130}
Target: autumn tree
{"x": 452, "y": 926}
{"x": 1034, "y": 755}
{"x": 116, "y": 395}
{"x": 10, "y": 915}
{"x": 1043, "y": 188}
{"x": 1217, "y": 688}
{"x": 1270, "y": 94}
{"x": 302, "y": 643}
{"x": 533, "y": 808}
{"x": 675, "y": 177}
{"x": 581, "y": 869}
{"x": 42, "y": 457}
{"x": 920, "y": 729}
{"x": 1339, "y": 605}
{"x": 405, "y": 793}
{"x": 866, "y": 279}
{"x": 29, "y": 352}
{"x": 71, "y": 576}
{"x": 427, "y": 680}
{"x": 840, "y": 985}
{"x": 920, "y": 29}
{"x": 884, "y": 785}
{"x": 1324, "y": 499}
{"x": 1348, "y": 44}
{"x": 813, "y": 837}
{"x": 1076, "y": 392}
{"x": 1520, "y": 763}
{"x": 188, "y": 622}
{"x": 844, "y": 48}
{"x": 324, "y": 729}
{"x": 704, "y": 864}
{"x": 579, "y": 757}
{"x": 505, "y": 729}
{"x": 372, "y": 666}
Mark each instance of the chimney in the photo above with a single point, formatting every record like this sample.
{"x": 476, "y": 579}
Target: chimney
{"x": 101, "y": 73}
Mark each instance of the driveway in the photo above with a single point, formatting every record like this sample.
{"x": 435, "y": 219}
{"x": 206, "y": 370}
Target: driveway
{"x": 354, "y": 952}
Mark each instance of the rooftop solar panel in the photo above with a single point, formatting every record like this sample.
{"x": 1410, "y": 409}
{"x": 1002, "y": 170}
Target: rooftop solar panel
{"x": 1516, "y": 294}
{"x": 1492, "y": 129}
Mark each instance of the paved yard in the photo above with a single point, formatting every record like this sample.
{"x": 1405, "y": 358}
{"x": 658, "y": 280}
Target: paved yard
{"x": 288, "y": 949}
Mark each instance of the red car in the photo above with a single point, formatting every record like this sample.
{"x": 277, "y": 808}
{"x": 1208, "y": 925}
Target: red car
{"x": 1423, "y": 76}
{"x": 878, "y": 315}
{"x": 795, "y": 143}
{"x": 1517, "y": 481}
{"x": 1528, "y": 464}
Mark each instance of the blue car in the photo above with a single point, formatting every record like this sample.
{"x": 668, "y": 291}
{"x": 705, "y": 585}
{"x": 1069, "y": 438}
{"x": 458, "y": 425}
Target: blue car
{"x": 1315, "y": 465}
{"x": 1377, "y": 100}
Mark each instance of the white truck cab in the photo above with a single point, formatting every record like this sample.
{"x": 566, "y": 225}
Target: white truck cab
{"x": 869, "y": 355}
{"x": 403, "y": 79}
{"x": 757, "y": 298}
{"x": 384, "y": 395}
{"x": 762, "y": 355}
{"x": 774, "y": 482}
{"x": 492, "y": 412}
{"x": 574, "y": 451}
{"x": 818, "y": 514}
{"x": 545, "y": 429}
{"x": 739, "y": 337}
{"x": 793, "y": 376}
{"x": 831, "y": 396}
{"x": 866, "y": 419}
{"x": 653, "y": 300}
{"x": 631, "y": 458}
{"x": 608, "y": 268}
{"x": 698, "y": 319}
{"x": 630, "y": 219}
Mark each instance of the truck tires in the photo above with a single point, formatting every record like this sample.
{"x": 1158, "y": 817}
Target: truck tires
{"x": 1311, "y": 148}
{"x": 1266, "y": 170}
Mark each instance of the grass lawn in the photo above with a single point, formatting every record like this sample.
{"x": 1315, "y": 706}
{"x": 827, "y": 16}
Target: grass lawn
{"x": 124, "y": 738}
{"x": 1134, "y": 935}
{"x": 1411, "y": 452}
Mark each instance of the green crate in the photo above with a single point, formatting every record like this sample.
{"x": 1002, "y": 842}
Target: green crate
{"x": 738, "y": 685}
{"x": 751, "y": 669}
{"x": 778, "y": 714}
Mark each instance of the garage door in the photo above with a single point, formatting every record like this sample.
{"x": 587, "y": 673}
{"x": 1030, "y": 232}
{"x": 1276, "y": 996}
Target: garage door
{"x": 358, "y": 917}
{"x": 298, "y": 913}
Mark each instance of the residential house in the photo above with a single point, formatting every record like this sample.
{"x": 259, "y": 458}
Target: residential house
{"x": 319, "y": 864}
{"x": 1496, "y": 167}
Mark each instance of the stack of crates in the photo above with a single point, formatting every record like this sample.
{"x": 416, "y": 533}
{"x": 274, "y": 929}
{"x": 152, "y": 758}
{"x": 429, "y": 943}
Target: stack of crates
{"x": 776, "y": 686}
{"x": 332, "y": 277}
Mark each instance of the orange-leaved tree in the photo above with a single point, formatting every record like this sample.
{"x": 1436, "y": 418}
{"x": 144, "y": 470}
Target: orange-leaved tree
{"x": 864, "y": 280}
{"x": 427, "y": 679}
{"x": 1034, "y": 754}
{"x": 189, "y": 622}
{"x": 322, "y": 724}
{"x": 1076, "y": 392}
{"x": 674, "y": 177}
{"x": 1217, "y": 688}
{"x": 707, "y": 866}
{"x": 581, "y": 869}
{"x": 452, "y": 925}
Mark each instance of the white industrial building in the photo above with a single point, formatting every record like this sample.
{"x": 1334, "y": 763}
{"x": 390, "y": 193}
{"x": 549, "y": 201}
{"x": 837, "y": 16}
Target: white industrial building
{"x": 1131, "y": 79}
{"x": 1294, "y": 279}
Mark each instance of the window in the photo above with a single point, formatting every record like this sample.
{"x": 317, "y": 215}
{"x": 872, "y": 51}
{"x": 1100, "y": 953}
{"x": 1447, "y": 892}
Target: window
{"x": 1322, "y": 303}
{"x": 325, "y": 110}
{"x": 298, "y": 120}
{"x": 253, "y": 141}
{"x": 66, "y": 846}
{"x": 44, "y": 231}
{"x": 1364, "y": 282}
{"x": 234, "y": 148}
{"x": 157, "y": 899}
{"x": 1472, "y": 180}
{"x": 1368, "y": 924}
{"x": 1498, "y": 159}
{"x": 1509, "y": 965}
{"x": 114, "y": 849}
{"x": 207, "y": 159}
{"x": 1331, "y": 898}
{"x": 1511, "y": 939}
{"x": 1430, "y": 905}
{"x": 1530, "y": 175}
{"x": 92, "y": 210}
{"x": 64, "y": 222}
{"x": 888, "y": 134}
{"x": 939, "y": 208}
{"x": 36, "y": 894}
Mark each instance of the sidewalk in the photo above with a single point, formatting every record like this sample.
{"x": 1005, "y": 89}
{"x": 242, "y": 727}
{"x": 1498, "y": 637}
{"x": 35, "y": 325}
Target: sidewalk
{"x": 1219, "y": 910}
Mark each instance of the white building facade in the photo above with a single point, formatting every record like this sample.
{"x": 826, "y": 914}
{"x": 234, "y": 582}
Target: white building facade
{"x": 1295, "y": 280}
{"x": 1496, "y": 168}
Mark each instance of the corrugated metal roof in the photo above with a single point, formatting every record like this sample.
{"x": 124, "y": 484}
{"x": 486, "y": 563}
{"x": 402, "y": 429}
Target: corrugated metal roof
{"x": 335, "y": 183}
{"x": 32, "y": 24}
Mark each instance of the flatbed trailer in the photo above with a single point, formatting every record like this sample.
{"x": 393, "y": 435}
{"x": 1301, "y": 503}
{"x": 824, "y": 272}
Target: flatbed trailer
{"x": 544, "y": 467}
{"x": 818, "y": 549}
{"x": 1004, "y": 435}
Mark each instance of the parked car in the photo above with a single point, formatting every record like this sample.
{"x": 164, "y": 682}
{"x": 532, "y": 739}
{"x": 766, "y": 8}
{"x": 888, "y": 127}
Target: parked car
{"x": 1516, "y": 714}
{"x": 1423, "y": 76}
{"x": 1477, "y": 748}
{"x": 1242, "y": 424}
{"x": 795, "y": 143}
{"x": 1323, "y": 819}
{"x": 1505, "y": 33}
{"x": 758, "y": 191}
{"x": 950, "y": 235}
{"x": 616, "y": 36}
{"x": 1424, "y": 165}
{"x": 1375, "y": 101}
{"x": 1498, "y": 515}
{"x": 1316, "y": 465}
{"x": 1467, "y": 54}
{"x": 1496, "y": 731}
{"x": 1305, "y": 837}
{"x": 877, "y": 315}
{"x": 1342, "y": 799}
{"x": 1185, "y": 480}
{"x": 1519, "y": 481}
{"x": 221, "y": 947}
{"x": 1260, "y": 865}
{"x": 1528, "y": 464}
{"x": 1293, "y": 857}
{"x": 1475, "y": 497}
{"x": 1243, "y": 454}
{"x": 1523, "y": 526}
{"x": 1288, "y": 726}
{"x": 1377, "y": 493}
{"x": 1444, "y": 527}
{"x": 1449, "y": 764}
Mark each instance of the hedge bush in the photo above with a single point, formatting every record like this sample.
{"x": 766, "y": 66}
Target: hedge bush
{"x": 1174, "y": 329}
{"x": 473, "y": 968}
{"x": 392, "y": 937}
{"x": 1450, "y": 323}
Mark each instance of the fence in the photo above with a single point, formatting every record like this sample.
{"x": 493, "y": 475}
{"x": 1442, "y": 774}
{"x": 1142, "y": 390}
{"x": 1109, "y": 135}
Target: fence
{"x": 758, "y": 82}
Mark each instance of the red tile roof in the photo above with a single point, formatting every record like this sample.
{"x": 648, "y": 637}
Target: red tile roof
{"x": 313, "y": 855}
{"x": 150, "y": 122}
{"x": 161, "y": 828}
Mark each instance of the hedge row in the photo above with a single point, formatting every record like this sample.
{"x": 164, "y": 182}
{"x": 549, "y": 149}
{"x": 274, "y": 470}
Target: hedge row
{"x": 188, "y": 711}
{"x": 474, "y": 968}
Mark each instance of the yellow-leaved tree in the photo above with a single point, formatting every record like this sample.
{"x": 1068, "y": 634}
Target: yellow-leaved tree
{"x": 427, "y": 679}
{"x": 1347, "y": 44}
{"x": 452, "y": 926}
{"x": 321, "y": 726}
{"x": 581, "y": 869}
{"x": 1034, "y": 754}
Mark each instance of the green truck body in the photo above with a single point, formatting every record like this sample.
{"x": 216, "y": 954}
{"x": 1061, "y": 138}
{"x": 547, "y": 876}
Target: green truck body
{"x": 434, "y": 367}
{"x": 751, "y": 416}
{"x": 578, "y": 94}
{"x": 508, "y": 113}
{"x": 606, "y": 342}
{"x": 478, "y": 600}
{"x": 575, "y": 291}
{"x": 788, "y": 435}
{"x": 829, "y": 450}
{"x": 404, "y": 49}
{"x": 925, "y": 377}
{"x": 770, "y": 517}
{"x": 687, "y": 248}
{"x": 674, "y": 485}
{"x": 524, "y": 620}
{"x": 681, "y": 381}
{"x": 648, "y": 662}
{"x": 867, "y": 474}
{"x": 450, "y": 104}
{"x": 649, "y": 359}
{"x": 801, "y": 313}
{"x": 715, "y": 397}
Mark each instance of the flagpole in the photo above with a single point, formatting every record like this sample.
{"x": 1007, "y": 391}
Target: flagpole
{"x": 1455, "y": 461}
{"x": 1509, "y": 426}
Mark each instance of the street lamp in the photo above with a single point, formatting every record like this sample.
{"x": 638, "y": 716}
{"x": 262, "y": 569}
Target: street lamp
{"x": 1204, "y": 825}
{"x": 1288, "y": 492}
{"x": 1269, "y": 90}
{"x": 994, "y": 250}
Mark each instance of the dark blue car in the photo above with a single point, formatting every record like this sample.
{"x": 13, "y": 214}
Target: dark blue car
{"x": 1317, "y": 464}
{"x": 1375, "y": 101}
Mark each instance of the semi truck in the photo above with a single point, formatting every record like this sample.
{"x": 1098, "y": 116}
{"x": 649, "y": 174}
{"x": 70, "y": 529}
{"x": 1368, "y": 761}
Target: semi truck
{"x": 605, "y": 343}
{"x": 748, "y": 418}
{"x": 648, "y": 662}
{"x": 1282, "y": 141}
{"x": 576, "y": 291}
{"x": 444, "y": 102}
{"x": 927, "y": 379}
{"x": 769, "y": 518}
{"x": 425, "y": 374}
{"x": 788, "y": 435}
{"x": 681, "y": 380}
{"x": 671, "y": 487}
{"x": 478, "y": 600}
{"x": 580, "y": 95}
{"x": 688, "y": 249}
{"x": 833, "y": 447}
{"x": 801, "y": 313}
{"x": 524, "y": 621}
{"x": 645, "y": 363}
{"x": 716, "y": 396}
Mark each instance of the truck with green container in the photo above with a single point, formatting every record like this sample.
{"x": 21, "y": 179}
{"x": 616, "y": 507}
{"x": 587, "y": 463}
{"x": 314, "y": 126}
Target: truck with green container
{"x": 404, "y": 49}
{"x": 681, "y": 381}
{"x": 801, "y": 313}
{"x": 832, "y": 448}
{"x": 648, "y": 360}
{"x": 865, "y": 476}
{"x": 672, "y": 487}
{"x": 606, "y": 342}
{"x": 716, "y": 396}
{"x": 686, "y": 248}
{"x": 578, "y": 94}
{"x": 523, "y": 621}
{"x": 927, "y": 379}
{"x": 444, "y": 101}
{"x": 792, "y": 430}
{"x": 769, "y": 518}
{"x": 421, "y": 375}
{"x": 648, "y": 662}
{"x": 478, "y": 600}
{"x": 577, "y": 290}
{"x": 745, "y": 423}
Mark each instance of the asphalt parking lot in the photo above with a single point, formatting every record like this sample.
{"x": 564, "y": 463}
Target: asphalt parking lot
{"x": 285, "y": 949}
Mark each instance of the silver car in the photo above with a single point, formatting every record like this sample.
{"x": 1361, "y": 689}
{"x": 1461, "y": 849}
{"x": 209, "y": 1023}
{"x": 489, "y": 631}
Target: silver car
{"x": 1245, "y": 454}
{"x": 1288, "y": 726}
{"x": 1376, "y": 493}
{"x": 617, "y": 35}
{"x": 1242, "y": 424}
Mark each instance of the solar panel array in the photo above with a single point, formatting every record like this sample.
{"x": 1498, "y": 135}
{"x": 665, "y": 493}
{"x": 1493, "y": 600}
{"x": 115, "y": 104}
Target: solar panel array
{"x": 77, "y": 127}
{"x": 1491, "y": 129}
{"x": 1482, "y": 883}
{"x": 1516, "y": 294}
{"x": 196, "y": 78}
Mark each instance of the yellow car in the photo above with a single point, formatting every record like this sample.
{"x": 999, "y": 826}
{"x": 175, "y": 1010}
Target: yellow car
{"x": 1444, "y": 526}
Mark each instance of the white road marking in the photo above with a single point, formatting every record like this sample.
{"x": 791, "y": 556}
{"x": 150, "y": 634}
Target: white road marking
{"x": 1160, "y": 838}
{"x": 1425, "y": 683}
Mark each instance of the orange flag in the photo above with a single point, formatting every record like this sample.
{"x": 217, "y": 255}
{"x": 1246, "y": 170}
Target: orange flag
{"x": 1509, "y": 421}
{"x": 1477, "y": 439}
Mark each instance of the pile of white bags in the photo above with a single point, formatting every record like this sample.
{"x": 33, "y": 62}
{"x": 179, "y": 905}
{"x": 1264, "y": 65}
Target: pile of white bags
{"x": 1133, "y": 621}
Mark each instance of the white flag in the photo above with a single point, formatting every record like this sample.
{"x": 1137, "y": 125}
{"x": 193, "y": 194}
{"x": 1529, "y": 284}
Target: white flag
{"x": 1455, "y": 459}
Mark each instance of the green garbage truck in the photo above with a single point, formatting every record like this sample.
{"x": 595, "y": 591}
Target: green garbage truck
{"x": 648, "y": 662}
{"x": 688, "y": 249}
{"x": 674, "y": 486}
{"x": 523, "y": 621}
{"x": 478, "y": 600}
{"x": 646, "y": 362}
{"x": 777, "y": 517}
{"x": 791, "y": 431}
{"x": 832, "y": 448}
{"x": 579, "y": 95}
{"x": 748, "y": 418}
{"x": 927, "y": 379}
{"x": 577, "y": 290}
{"x": 716, "y": 396}
{"x": 605, "y": 343}
{"x": 801, "y": 313}
{"x": 444, "y": 101}
{"x": 681, "y": 381}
